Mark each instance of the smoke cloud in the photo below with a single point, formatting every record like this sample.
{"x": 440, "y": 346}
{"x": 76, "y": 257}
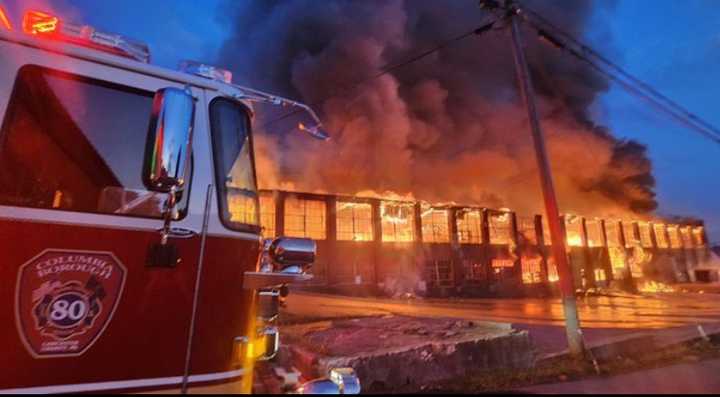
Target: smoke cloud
{"x": 449, "y": 127}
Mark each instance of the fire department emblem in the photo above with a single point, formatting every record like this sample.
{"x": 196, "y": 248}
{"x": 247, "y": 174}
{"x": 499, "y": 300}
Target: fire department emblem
{"x": 65, "y": 299}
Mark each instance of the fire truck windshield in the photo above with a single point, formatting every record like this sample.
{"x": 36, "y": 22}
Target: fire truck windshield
{"x": 71, "y": 143}
{"x": 235, "y": 173}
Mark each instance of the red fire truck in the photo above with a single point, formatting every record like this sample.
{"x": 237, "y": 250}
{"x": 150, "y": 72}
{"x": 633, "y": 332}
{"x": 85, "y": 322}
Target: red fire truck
{"x": 130, "y": 245}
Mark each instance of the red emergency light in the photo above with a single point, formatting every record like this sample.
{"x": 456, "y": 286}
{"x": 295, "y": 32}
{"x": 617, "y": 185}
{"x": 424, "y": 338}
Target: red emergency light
{"x": 4, "y": 21}
{"x": 35, "y": 22}
{"x": 50, "y": 26}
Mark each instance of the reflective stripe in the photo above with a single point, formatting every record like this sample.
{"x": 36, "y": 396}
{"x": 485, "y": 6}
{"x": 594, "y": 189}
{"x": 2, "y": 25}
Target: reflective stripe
{"x": 108, "y": 221}
{"x": 41, "y": 215}
{"x": 124, "y": 384}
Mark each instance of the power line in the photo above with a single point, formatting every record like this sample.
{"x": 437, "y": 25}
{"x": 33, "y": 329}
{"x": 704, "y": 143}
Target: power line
{"x": 625, "y": 79}
{"x": 588, "y": 50}
{"x": 680, "y": 118}
{"x": 391, "y": 67}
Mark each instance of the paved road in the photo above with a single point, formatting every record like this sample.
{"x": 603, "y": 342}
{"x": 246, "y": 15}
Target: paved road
{"x": 629, "y": 312}
{"x": 670, "y": 317}
{"x": 695, "y": 378}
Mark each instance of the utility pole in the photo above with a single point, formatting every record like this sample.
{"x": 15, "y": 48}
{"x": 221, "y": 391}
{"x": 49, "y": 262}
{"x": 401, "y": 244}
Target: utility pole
{"x": 567, "y": 288}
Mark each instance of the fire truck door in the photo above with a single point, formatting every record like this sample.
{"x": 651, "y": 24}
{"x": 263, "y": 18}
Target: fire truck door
{"x": 81, "y": 307}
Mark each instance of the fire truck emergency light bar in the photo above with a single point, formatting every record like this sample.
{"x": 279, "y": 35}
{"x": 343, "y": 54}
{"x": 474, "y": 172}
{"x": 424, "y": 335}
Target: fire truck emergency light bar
{"x": 249, "y": 94}
{"x": 45, "y": 25}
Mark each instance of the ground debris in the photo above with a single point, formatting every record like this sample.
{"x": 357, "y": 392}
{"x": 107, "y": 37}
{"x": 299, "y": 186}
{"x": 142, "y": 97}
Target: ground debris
{"x": 405, "y": 353}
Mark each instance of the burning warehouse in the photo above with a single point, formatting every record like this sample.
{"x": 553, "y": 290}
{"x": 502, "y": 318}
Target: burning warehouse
{"x": 447, "y": 127}
{"x": 409, "y": 246}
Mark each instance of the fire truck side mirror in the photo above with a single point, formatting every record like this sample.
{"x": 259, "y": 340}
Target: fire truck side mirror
{"x": 293, "y": 253}
{"x": 169, "y": 141}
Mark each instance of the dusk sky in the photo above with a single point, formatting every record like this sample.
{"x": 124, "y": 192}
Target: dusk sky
{"x": 672, "y": 45}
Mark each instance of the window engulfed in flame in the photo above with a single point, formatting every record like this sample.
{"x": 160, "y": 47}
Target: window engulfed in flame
{"x": 469, "y": 226}
{"x": 305, "y": 218}
{"x": 600, "y": 275}
{"x": 500, "y": 230}
{"x": 594, "y": 233}
{"x": 612, "y": 232}
{"x": 553, "y": 275}
{"x": 618, "y": 261}
{"x": 547, "y": 239}
{"x": 435, "y": 227}
{"x": 686, "y": 237}
{"x": 267, "y": 215}
{"x": 698, "y": 234}
{"x": 575, "y": 241}
{"x": 660, "y": 236}
{"x": 637, "y": 258}
{"x": 242, "y": 208}
{"x": 674, "y": 235}
{"x": 531, "y": 270}
{"x": 354, "y": 221}
{"x": 398, "y": 221}
{"x": 526, "y": 228}
{"x": 574, "y": 231}
{"x": 646, "y": 234}
{"x": 631, "y": 239}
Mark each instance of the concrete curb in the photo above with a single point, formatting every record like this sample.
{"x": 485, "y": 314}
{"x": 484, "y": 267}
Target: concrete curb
{"x": 632, "y": 345}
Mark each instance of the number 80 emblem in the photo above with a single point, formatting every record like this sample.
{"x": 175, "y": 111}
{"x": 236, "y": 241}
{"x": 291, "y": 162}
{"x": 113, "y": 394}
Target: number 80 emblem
{"x": 68, "y": 309}
{"x": 65, "y": 299}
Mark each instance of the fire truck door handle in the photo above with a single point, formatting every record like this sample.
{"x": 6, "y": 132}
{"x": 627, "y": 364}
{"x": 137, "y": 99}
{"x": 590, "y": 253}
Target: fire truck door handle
{"x": 181, "y": 232}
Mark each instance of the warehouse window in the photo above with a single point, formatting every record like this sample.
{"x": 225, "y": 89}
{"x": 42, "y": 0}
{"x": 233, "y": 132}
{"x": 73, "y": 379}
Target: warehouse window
{"x": 500, "y": 228}
{"x": 435, "y": 228}
{"x": 354, "y": 221}
{"x": 618, "y": 260}
{"x": 398, "y": 221}
{"x": 475, "y": 271}
{"x": 698, "y": 233}
{"x": 674, "y": 236}
{"x": 553, "y": 275}
{"x": 267, "y": 214}
{"x": 547, "y": 239}
{"x": 645, "y": 234}
{"x": 526, "y": 229}
{"x": 469, "y": 224}
{"x": 600, "y": 275}
{"x": 594, "y": 233}
{"x": 531, "y": 270}
{"x": 686, "y": 237}
{"x": 574, "y": 230}
{"x": 612, "y": 232}
{"x": 660, "y": 236}
{"x": 631, "y": 239}
{"x": 305, "y": 218}
{"x": 440, "y": 273}
{"x": 242, "y": 209}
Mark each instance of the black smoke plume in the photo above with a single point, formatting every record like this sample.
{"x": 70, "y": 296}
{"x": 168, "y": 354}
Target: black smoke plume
{"x": 448, "y": 127}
